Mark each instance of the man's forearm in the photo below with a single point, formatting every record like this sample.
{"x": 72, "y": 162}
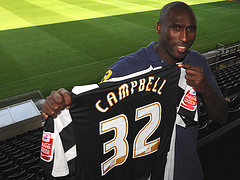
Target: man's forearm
{"x": 216, "y": 106}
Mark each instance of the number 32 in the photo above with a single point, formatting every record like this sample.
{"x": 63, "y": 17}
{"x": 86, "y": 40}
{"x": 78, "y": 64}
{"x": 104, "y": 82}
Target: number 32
{"x": 119, "y": 124}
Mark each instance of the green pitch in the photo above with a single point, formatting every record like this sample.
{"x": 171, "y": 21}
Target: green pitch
{"x": 27, "y": 13}
{"x": 46, "y": 45}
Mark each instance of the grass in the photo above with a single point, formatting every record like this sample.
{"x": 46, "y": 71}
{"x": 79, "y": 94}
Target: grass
{"x": 48, "y": 46}
{"x": 27, "y": 13}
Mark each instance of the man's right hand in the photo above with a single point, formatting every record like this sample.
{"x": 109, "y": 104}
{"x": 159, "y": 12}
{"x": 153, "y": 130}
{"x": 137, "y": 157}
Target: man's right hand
{"x": 56, "y": 102}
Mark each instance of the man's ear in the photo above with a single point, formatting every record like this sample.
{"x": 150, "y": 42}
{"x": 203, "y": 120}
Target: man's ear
{"x": 158, "y": 28}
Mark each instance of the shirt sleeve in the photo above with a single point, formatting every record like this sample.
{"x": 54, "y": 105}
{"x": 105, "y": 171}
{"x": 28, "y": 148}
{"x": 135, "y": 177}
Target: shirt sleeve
{"x": 58, "y": 152}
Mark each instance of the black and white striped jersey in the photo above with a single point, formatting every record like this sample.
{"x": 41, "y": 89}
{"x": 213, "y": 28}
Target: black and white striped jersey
{"x": 120, "y": 129}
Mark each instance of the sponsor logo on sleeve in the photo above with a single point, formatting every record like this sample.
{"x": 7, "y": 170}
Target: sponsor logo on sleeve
{"x": 189, "y": 101}
{"x": 47, "y": 148}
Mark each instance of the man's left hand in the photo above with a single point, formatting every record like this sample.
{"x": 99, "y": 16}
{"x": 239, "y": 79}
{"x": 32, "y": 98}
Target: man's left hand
{"x": 195, "y": 77}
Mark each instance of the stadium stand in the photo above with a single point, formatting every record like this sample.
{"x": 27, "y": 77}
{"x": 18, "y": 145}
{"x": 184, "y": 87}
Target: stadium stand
{"x": 218, "y": 145}
{"x": 224, "y": 57}
{"x": 19, "y": 155}
{"x": 20, "y": 141}
{"x": 225, "y": 65}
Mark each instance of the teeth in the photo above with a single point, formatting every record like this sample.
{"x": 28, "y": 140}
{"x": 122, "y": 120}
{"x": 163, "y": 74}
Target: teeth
{"x": 181, "y": 47}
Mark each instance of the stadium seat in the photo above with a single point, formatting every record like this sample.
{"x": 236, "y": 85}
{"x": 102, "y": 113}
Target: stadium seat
{"x": 10, "y": 171}
{"x": 224, "y": 88}
{"x": 24, "y": 145}
{"x": 203, "y": 124}
{"x": 3, "y": 156}
{"x": 203, "y": 119}
{"x": 29, "y": 177}
{"x": 234, "y": 114}
{"x": 19, "y": 155}
{"x": 35, "y": 150}
{"x": 26, "y": 165}
{"x": 5, "y": 147}
{"x": 4, "y": 161}
{"x": 34, "y": 169}
{"x": 27, "y": 148}
{"x": 18, "y": 175}
{"x": 233, "y": 102}
{"x": 12, "y": 150}
{"x": 21, "y": 135}
{"x": 41, "y": 174}
{"x": 6, "y": 166}
{"x": 18, "y": 143}
{"x": 23, "y": 159}
{"x": 234, "y": 89}
{"x": 228, "y": 77}
{"x": 10, "y": 139}
{"x": 12, "y": 153}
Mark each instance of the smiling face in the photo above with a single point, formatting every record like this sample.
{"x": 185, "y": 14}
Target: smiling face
{"x": 176, "y": 34}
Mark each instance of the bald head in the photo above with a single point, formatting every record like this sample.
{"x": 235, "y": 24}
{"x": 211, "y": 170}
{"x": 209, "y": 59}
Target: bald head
{"x": 177, "y": 31}
{"x": 173, "y": 6}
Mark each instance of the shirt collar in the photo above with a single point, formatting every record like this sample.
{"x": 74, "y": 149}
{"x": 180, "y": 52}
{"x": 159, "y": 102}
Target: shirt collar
{"x": 152, "y": 54}
{"x": 186, "y": 59}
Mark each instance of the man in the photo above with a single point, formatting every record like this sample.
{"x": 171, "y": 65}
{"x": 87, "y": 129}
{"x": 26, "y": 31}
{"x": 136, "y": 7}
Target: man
{"x": 176, "y": 30}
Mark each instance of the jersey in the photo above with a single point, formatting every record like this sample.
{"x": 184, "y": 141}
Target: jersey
{"x": 187, "y": 163}
{"x": 120, "y": 129}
